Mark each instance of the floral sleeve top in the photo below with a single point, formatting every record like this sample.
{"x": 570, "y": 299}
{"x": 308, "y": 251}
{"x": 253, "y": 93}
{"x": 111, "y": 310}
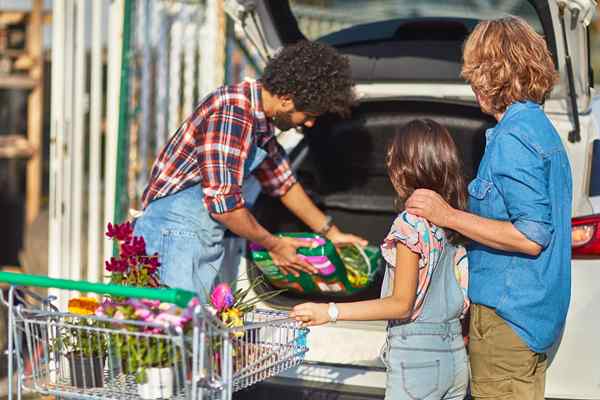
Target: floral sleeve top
{"x": 428, "y": 241}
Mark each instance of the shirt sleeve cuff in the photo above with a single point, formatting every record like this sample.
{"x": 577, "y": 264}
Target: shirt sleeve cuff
{"x": 535, "y": 231}
{"x": 223, "y": 203}
{"x": 285, "y": 186}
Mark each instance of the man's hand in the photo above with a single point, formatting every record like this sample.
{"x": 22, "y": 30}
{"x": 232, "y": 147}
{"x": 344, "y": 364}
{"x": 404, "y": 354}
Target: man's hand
{"x": 431, "y": 206}
{"x": 284, "y": 255}
{"x": 337, "y": 237}
{"x": 311, "y": 314}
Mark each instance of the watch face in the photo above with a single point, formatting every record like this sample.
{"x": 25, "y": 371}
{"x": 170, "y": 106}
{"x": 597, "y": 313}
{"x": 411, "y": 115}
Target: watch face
{"x": 333, "y": 312}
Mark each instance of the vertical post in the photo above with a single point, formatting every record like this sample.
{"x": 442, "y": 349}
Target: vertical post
{"x": 221, "y": 44}
{"x": 144, "y": 40}
{"x": 79, "y": 112}
{"x": 209, "y": 37}
{"x": 94, "y": 192}
{"x": 176, "y": 44}
{"x": 162, "y": 82}
{"x": 56, "y": 140}
{"x": 191, "y": 45}
{"x": 115, "y": 30}
{"x": 121, "y": 200}
{"x": 67, "y": 149}
{"x": 35, "y": 112}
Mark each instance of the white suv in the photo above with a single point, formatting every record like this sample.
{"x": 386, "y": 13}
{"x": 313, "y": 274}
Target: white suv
{"x": 406, "y": 58}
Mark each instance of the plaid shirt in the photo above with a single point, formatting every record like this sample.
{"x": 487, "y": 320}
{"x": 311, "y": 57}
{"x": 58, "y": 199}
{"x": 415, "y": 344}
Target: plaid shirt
{"x": 211, "y": 146}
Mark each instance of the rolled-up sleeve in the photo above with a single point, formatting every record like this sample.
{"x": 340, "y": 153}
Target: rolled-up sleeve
{"x": 519, "y": 173}
{"x": 223, "y": 148}
{"x": 274, "y": 173}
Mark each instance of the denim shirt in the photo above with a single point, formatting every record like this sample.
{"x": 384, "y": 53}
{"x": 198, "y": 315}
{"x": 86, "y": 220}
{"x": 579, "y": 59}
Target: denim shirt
{"x": 525, "y": 178}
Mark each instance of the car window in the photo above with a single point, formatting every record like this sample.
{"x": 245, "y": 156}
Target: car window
{"x": 332, "y": 20}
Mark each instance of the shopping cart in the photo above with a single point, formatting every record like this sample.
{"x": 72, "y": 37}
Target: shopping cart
{"x": 96, "y": 357}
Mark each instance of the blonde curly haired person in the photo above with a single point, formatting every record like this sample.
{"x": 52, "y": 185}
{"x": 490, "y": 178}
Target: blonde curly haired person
{"x": 518, "y": 217}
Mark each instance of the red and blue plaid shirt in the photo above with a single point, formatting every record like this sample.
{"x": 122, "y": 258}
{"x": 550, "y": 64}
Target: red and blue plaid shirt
{"x": 211, "y": 146}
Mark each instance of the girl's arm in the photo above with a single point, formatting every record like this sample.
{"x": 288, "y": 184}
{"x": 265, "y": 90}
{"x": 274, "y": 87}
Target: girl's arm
{"x": 397, "y": 306}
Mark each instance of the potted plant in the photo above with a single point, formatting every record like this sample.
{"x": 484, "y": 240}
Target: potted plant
{"x": 153, "y": 357}
{"x": 133, "y": 267}
{"x": 82, "y": 343}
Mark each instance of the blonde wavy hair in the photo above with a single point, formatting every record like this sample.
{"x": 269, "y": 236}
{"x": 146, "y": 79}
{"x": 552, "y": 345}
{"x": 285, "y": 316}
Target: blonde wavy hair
{"x": 506, "y": 60}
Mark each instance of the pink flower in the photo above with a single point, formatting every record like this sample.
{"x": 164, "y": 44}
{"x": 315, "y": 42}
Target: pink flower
{"x": 168, "y": 319}
{"x": 143, "y": 313}
{"x": 119, "y": 315}
{"x": 151, "y": 303}
{"x": 222, "y": 297}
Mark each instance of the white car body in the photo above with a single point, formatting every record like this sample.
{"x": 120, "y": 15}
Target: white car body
{"x": 347, "y": 353}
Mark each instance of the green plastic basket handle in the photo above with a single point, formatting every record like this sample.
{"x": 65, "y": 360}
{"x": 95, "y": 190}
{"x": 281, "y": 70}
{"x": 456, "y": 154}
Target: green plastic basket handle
{"x": 178, "y": 297}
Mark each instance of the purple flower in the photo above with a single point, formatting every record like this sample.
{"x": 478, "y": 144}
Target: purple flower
{"x": 136, "y": 246}
{"x": 121, "y": 232}
{"x": 139, "y": 245}
{"x": 116, "y": 265}
{"x": 152, "y": 262}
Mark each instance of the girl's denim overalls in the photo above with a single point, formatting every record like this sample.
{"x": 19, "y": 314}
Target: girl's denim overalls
{"x": 188, "y": 240}
{"x": 426, "y": 359}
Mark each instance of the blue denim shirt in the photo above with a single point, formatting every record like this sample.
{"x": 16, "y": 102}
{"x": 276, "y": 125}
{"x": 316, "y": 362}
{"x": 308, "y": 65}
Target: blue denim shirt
{"x": 525, "y": 178}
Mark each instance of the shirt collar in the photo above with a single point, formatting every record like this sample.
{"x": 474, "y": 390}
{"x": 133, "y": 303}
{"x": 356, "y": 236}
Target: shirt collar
{"x": 262, "y": 122}
{"x": 511, "y": 110}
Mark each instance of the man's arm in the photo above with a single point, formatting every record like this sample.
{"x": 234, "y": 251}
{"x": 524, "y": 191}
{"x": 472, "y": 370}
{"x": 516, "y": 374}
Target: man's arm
{"x": 298, "y": 202}
{"x": 283, "y": 250}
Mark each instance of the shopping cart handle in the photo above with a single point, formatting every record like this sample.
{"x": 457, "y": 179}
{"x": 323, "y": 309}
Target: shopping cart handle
{"x": 178, "y": 297}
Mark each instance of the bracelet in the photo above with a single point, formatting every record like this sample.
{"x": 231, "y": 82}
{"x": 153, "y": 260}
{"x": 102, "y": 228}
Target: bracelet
{"x": 326, "y": 226}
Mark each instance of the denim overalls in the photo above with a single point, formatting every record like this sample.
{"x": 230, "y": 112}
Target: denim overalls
{"x": 188, "y": 240}
{"x": 426, "y": 359}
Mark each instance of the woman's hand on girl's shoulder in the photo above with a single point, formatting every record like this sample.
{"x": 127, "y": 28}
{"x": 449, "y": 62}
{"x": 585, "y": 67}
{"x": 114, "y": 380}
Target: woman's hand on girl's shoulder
{"x": 311, "y": 314}
{"x": 431, "y": 206}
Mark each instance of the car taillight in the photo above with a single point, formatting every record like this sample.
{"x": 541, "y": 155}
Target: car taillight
{"x": 585, "y": 236}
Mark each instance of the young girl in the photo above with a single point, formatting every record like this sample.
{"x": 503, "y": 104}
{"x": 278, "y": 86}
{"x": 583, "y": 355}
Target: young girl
{"x": 424, "y": 290}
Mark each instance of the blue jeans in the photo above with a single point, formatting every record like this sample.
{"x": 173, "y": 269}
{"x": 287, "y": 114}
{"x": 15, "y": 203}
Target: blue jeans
{"x": 426, "y": 361}
{"x": 189, "y": 242}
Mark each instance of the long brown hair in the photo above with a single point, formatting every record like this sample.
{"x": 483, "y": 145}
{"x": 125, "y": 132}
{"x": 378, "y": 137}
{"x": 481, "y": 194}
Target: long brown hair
{"x": 423, "y": 155}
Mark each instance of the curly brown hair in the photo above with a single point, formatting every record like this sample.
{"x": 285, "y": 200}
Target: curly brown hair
{"x": 505, "y": 61}
{"x": 423, "y": 155}
{"x": 314, "y": 75}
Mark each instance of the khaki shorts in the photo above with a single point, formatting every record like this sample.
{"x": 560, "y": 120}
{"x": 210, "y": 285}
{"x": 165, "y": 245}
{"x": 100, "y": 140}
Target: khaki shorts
{"x": 502, "y": 366}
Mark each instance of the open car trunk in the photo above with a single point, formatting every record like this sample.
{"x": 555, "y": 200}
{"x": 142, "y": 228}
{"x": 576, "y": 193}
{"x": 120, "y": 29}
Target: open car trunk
{"x": 341, "y": 164}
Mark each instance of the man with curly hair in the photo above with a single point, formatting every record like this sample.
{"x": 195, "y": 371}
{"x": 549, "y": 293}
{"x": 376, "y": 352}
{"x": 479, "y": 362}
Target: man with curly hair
{"x": 519, "y": 215}
{"x": 195, "y": 190}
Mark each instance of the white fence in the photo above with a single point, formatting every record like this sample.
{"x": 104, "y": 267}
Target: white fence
{"x": 91, "y": 107}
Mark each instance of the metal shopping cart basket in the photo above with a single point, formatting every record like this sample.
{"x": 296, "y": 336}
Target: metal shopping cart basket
{"x": 96, "y": 357}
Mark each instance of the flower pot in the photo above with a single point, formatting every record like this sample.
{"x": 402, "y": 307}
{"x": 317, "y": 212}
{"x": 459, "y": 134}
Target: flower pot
{"x": 158, "y": 384}
{"x": 85, "y": 372}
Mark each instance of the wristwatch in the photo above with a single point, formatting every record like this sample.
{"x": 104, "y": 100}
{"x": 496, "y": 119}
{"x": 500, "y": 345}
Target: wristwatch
{"x": 333, "y": 312}
{"x": 326, "y": 226}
